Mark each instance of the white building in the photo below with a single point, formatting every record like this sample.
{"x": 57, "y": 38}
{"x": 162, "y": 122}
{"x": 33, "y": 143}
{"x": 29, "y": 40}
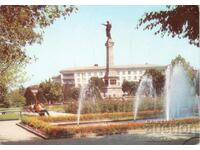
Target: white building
{"x": 78, "y": 76}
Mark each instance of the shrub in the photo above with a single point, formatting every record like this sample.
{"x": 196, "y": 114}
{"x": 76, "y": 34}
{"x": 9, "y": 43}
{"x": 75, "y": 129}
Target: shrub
{"x": 97, "y": 116}
{"x": 16, "y": 99}
{"x": 110, "y": 105}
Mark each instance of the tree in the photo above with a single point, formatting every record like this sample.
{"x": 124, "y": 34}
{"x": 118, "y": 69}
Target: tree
{"x": 52, "y": 90}
{"x": 95, "y": 87}
{"x": 75, "y": 93}
{"x": 181, "y": 21}
{"x": 129, "y": 87}
{"x": 30, "y": 98}
{"x": 97, "y": 82}
{"x": 40, "y": 96}
{"x": 70, "y": 92}
{"x": 11, "y": 78}
{"x": 186, "y": 65}
{"x": 158, "y": 79}
{"x": 22, "y": 25}
{"x": 16, "y": 99}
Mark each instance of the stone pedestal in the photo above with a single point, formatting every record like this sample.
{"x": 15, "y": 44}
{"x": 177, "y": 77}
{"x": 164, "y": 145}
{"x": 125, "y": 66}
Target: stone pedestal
{"x": 111, "y": 78}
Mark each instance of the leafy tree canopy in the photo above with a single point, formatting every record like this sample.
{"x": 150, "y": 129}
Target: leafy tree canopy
{"x": 30, "y": 98}
{"x": 23, "y": 25}
{"x": 129, "y": 87}
{"x": 158, "y": 78}
{"x": 180, "y": 20}
{"x": 97, "y": 82}
{"x": 186, "y": 65}
{"x": 52, "y": 90}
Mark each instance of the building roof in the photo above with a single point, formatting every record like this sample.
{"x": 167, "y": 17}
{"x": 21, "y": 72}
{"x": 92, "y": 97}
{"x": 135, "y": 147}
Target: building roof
{"x": 56, "y": 77}
{"x": 96, "y": 67}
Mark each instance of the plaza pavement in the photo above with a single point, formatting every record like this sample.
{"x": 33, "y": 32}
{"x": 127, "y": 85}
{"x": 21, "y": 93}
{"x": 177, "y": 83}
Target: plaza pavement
{"x": 11, "y": 134}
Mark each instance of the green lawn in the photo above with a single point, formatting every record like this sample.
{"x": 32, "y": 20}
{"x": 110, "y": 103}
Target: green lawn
{"x": 57, "y": 108}
{"x": 10, "y": 113}
{"x": 10, "y": 116}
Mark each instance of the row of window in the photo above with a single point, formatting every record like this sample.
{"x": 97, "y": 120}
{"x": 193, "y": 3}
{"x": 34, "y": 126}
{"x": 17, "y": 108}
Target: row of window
{"x": 130, "y": 72}
{"x": 121, "y": 78}
{"x": 102, "y": 73}
{"x": 90, "y": 74}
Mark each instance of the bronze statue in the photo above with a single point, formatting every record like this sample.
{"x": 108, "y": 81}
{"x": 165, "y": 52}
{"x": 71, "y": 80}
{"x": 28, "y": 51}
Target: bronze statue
{"x": 108, "y": 28}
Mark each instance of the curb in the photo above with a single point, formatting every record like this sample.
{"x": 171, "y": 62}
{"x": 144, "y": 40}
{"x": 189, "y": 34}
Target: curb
{"x": 33, "y": 131}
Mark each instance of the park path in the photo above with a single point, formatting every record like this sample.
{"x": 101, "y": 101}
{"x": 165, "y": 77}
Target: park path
{"x": 9, "y": 131}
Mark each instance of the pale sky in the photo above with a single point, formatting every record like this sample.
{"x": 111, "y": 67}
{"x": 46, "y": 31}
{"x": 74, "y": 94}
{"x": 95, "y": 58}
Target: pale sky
{"x": 80, "y": 41}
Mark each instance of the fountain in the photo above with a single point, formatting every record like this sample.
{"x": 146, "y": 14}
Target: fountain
{"x": 87, "y": 92}
{"x": 145, "y": 88}
{"x": 179, "y": 93}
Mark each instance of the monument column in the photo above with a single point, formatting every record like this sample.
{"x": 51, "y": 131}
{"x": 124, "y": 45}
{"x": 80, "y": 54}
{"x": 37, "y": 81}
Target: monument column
{"x": 110, "y": 79}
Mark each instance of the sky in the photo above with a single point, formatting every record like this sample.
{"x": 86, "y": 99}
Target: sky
{"x": 80, "y": 41}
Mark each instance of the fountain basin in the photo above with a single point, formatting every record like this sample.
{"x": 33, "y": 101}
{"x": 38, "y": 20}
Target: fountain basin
{"x": 56, "y": 131}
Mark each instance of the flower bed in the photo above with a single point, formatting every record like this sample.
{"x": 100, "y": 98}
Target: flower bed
{"x": 54, "y": 131}
{"x": 99, "y": 116}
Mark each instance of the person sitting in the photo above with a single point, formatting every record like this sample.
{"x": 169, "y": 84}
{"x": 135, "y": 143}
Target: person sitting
{"x": 29, "y": 108}
{"x": 40, "y": 109}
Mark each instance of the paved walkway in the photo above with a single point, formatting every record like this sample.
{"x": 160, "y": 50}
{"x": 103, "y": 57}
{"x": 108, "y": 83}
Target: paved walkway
{"x": 10, "y": 133}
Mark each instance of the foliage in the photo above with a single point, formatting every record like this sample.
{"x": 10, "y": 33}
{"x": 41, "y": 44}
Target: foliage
{"x": 103, "y": 116}
{"x": 158, "y": 79}
{"x": 30, "y": 98}
{"x": 40, "y": 96}
{"x": 97, "y": 82}
{"x": 105, "y": 129}
{"x": 186, "y": 65}
{"x": 16, "y": 99}
{"x": 22, "y": 25}
{"x": 113, "y": 105}
{"x": 129, "y": 87}
{"x": 3, "y": 92}
{"x": 70, "y": 92}
{"x": 95, "y": 87}
{"x": 180, "y": 20}
{"x": 10, "y": 79}
{"x": 51, "y": 90}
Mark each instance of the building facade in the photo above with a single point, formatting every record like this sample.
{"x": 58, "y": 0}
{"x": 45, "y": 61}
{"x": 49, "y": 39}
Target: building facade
{"x": 78, "y": 76}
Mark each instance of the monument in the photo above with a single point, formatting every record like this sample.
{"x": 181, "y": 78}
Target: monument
{"x": 110, "y": 79}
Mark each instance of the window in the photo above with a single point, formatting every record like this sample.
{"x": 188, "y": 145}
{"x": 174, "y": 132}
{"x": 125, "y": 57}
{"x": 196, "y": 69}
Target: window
{"x": 112, "y": 82}
{"x": 135, "y": 77}
{"x": 83, "y": 74}
{"x": 129, "y": 72}
{"x": 123, "y": 72}
{"x": 78, "y": 74}
{"x": 101, "y": 73}
{"x": 95, "y": 74}
{"x": 78, "y": 79}
{"x": 89, "y": 73}
{"x": 129, "y": 78}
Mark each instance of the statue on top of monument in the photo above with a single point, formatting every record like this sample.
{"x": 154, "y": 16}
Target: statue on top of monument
{"x": 108, "y": 28}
